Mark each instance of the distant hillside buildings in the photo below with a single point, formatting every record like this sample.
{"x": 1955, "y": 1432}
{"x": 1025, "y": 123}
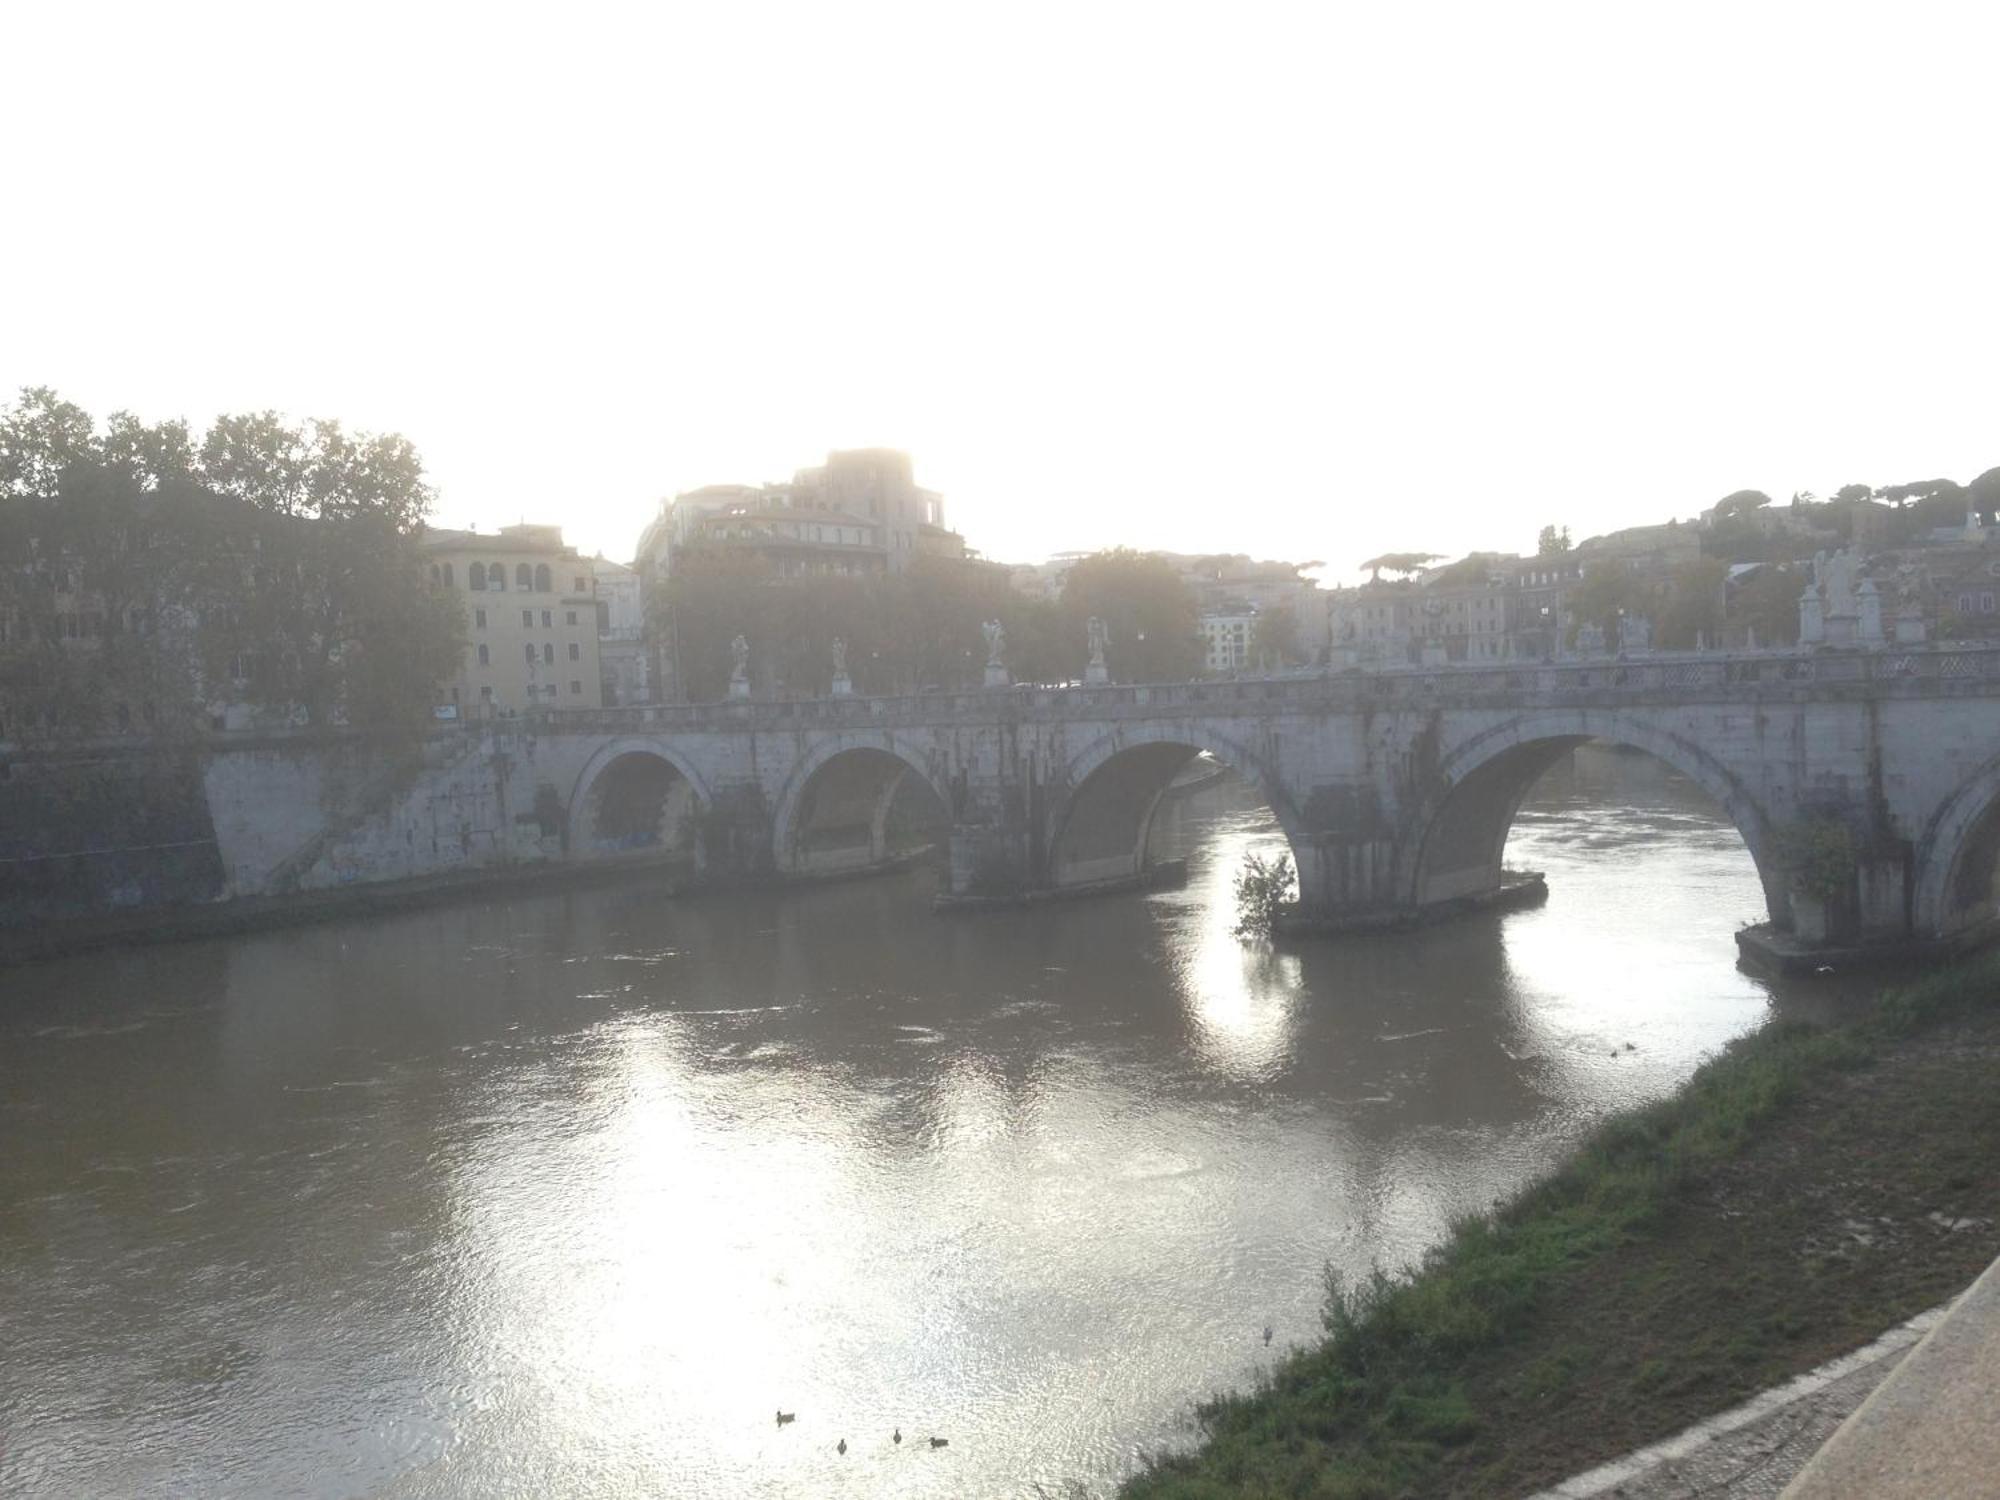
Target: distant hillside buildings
{"x": 861, "y": 512}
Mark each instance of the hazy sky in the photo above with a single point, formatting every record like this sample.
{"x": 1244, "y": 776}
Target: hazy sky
{"x": 1308, "y": 281}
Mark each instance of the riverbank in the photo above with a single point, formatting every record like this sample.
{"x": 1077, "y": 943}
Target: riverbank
{"x": 1806, "y": 1190}
{"x": 169, "y": 924}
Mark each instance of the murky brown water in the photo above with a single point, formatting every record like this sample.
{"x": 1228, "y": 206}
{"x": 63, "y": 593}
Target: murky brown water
{"x": 568, "y": 1195}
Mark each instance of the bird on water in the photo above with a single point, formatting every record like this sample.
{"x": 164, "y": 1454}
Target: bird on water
{"x": 940, "y": 1442}
{"x": 787, "y": 1416}
{"x": 841, "y": 1447}
{"x": 897, "y": 1435}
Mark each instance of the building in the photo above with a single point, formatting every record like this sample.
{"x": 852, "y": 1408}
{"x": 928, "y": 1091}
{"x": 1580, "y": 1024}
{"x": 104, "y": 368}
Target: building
{"x": 622, "y": 656}
{"x": 531, "y": 621}
{"x": 1229, "y": 640}
{"x": 1542, "y": 586}
{"x": 860, "y": 513}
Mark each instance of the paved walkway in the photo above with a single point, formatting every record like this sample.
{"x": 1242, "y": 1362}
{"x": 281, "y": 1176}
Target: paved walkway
{"x": 1753, "y": 1451}
{"x": 1931, "y": 1430}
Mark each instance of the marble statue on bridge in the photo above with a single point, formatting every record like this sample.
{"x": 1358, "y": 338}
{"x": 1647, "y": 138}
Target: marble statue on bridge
{"x": 1096, "y": 672}
{"x": 739, "y": 676}
{"x": 996, "y": 654}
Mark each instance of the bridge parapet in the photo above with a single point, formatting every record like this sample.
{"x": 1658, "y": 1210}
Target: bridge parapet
{"x": 1784, "y": 675}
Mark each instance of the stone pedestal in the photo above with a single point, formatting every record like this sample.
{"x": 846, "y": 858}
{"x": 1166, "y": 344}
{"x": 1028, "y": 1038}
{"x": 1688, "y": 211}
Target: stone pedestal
{"x": 1096, "y": 675}
{"x": 739, "y": 687}
{"x": 996, "y": 676}
{"x": 1910, "y": 629}
{"x": 843, "y": 685}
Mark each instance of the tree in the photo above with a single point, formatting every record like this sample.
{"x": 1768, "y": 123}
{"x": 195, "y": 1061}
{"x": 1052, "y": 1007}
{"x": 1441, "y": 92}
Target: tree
{"x": 1694, "y": 610}
{"x": 41, "y": 436}
{"x": 1606, "y": 592}
{"x": 1274, "y": 639}
{"x": 1399, "y": 562}
{"x": 1147, "y": 608}
{"x": 1766, "y": 603}
{"x": 1739, "y": 501}
{"x": 275, "y": 564}
{"x": 1983, "y": 495}
{"x": 905, "y": 632}
{"x": 1849, "y": 493}
{"x": 1551, "y": 542}
{"x": 1917, "y": 490}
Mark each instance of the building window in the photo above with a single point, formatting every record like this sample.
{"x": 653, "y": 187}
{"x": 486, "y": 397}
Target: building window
{"x": 1986, "y": 604}
{"x": 548, "y": 620}
{"x": 529, "y": 648}
{"x": 527, "y": 619}
{"x": 575, "y": 687}
{"x": 524, "y": 577}
{"x": 479, "y": 619}
{"x": 576, "y": 651}
{"x": 569, "y": 617}
{"x": 447, "y": 576}
{"x": 581, "y": 586}
{"x": 548, "y": 654}
{"x": 486, "y": 694}
{"x": 496, "y": 577}
{"x": 543, "y": 585}
{"x": 475, "y": 578}
{"x": 484, "y": 659}
{"x": 1965, "y": 604}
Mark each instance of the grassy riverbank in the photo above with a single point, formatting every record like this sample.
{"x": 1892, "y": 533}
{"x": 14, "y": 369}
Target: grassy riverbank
{"x": 1805, "y": 1191}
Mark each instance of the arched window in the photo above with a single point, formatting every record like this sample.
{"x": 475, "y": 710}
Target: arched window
{"x": 475, "y": 578}
{"x": 548, "y": 654}
{"x": 524, "y": 577}
{"x": 436, "y": 577}
{"x": 496, "y": 576}
{"x": 447, "y": 577}
{"x": 542, "y": 583}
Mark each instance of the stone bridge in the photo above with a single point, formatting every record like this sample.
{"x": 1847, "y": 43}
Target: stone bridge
{"x": 1396, "y": 789}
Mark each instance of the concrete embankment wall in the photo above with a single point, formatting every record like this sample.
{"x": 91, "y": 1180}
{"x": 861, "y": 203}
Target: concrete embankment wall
{"x": 104, "y": 834}
{"x": 291, "y": 818}
{"x": 130, "y": 830}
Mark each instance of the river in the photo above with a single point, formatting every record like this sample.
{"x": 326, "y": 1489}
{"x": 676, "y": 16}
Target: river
{"x": 569, "y": 1194}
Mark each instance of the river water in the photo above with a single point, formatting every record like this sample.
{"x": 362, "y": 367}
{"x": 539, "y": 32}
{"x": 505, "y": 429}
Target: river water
{"x": 570, "y": 1194}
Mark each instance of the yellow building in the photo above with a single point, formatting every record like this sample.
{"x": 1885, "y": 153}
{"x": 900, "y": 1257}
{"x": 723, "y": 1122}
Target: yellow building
{"x": 530, "y": 621}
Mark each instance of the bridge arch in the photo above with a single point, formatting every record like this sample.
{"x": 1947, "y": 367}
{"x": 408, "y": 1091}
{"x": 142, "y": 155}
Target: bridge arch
{"x": 1461, "y": 827}
{"x": 1098, "y": 829}
{"x": 853, "y": 804}
{"x": 1958, "y": 858}
{"x": 636, "y": 794}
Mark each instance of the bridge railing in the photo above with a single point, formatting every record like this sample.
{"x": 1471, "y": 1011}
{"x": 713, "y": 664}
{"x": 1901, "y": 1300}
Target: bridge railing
{"x": 1897, "y": 670}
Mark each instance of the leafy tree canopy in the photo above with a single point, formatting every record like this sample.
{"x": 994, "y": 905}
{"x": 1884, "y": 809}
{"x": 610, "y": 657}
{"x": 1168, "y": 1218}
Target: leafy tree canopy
{"x": 1918, "y": 489}
{"x": 1552, "y": 542}
{"x": 1738, "y": 501}
{"x": 1983, "y": 494}
{"x": 272, "y": 563}
{"x": 1400, "y": 562}
{"x": 1147, "y": 608}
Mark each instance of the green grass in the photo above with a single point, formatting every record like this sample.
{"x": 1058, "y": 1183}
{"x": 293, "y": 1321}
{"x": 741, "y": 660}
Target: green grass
{"x": 1424, "y": 1381}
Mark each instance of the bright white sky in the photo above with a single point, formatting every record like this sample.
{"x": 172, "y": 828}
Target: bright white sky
{"x": 1305, "y": 281}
